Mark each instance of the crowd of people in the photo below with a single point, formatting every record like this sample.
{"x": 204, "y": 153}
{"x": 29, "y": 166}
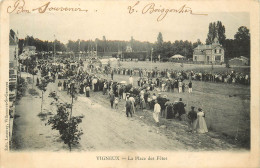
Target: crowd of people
{"x": 224, "y": 77}
{"x": 73, "y": 79}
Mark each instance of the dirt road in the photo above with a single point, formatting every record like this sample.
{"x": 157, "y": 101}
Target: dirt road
{"x": 110, "y": 129}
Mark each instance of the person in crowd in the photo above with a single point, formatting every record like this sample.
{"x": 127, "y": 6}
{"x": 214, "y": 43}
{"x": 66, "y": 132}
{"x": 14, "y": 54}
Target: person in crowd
{"x": 87, "y": 90}
{"x": 131, "y": 80}
{"x": 112, "y": 74}
{"x": 53, "y": 77}
{"x": 156, "y": 112}
{"x": 180, "y": 86}
{"x": 142, "y": 93}
{"x": 154, "y": 97}
{"x": 124, "y": 92}
{"x": 112, "y": 99}
{"x": 152, "y": 102}
{"x": 201, "y": 125}
{"x": 116, "y": 103}
{"x": 128, "y": 106}
{"x": 163, "y": 87}
{"x": 190, "y": 87}
{"x": 105, "y": 88}
{"x": 59, "y": 85}
{"x": 37, "y": 81}
{"x": 132, "y": 99}
{"x": 146, "y": 95}
{"x": 180, "y": 109}
{"x": 64, "y": 85}
{"x": 169, "y": 110}
{"x": 142, "y": 103}
{"x": 192, "y": 116}
{"x": 120, "y": 91}
{"x": 183, "y": 87}
{"x": 172, "y": 86}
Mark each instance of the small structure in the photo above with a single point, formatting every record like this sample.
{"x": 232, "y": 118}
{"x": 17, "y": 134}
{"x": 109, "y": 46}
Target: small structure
{"x": 177, "y": 57}
{"x": 213, "y": 53}
{"x": 129, "y": 48}
{"x": 239, "y": 61}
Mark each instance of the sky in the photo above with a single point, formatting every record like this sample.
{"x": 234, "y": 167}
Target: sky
{"x": 118, "y": 25}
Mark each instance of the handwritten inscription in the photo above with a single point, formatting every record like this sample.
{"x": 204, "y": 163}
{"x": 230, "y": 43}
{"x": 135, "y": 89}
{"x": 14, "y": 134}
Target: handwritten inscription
{"x": 152, "y": 8}
{"x": 19, "y": 7}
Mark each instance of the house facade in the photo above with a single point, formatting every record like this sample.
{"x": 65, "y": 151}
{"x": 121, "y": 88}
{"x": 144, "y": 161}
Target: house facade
{"x": 213, "y": 53}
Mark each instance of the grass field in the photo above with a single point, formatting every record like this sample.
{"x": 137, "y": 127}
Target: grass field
{"x": 227, "y": 106}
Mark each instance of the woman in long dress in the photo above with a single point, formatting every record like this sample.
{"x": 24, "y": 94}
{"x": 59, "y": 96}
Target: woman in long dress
{"x": 201, "y": 123}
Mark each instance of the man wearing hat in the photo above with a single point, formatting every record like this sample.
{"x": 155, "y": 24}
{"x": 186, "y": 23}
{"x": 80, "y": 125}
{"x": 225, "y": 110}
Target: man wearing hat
{"x": 180, "y": 108}
{"x": 128, "y": 106}
{"x": 192, "y": 116}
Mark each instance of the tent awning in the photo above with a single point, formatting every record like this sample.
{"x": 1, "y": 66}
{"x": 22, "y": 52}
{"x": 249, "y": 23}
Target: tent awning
{"x": 177, "y": 56}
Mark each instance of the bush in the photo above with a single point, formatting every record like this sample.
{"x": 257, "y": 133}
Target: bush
{"x": 21, "y": 88}
{"x": 33, "y": 92}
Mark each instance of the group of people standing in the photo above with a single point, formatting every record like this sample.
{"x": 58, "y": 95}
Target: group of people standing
{"x": 165, "y": 84}
{"x": 196, "y": 120}
{"x": 218, "y": 77}
{"x": 83, "y": 82}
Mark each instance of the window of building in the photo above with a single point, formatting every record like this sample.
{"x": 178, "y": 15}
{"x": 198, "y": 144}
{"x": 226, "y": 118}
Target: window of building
{"x": 217, "y": 58}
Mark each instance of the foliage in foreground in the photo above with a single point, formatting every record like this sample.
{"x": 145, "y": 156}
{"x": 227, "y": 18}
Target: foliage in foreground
{"x": 66, "y": 125}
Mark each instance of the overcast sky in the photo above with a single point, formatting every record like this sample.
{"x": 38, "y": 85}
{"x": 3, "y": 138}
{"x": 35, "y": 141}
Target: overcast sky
{"x": 118, "y": 25}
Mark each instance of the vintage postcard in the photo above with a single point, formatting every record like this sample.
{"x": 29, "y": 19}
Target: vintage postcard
{"x": 129, "y": 83}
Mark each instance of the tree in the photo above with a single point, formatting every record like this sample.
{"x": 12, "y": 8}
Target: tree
{"x": 242, "y": 34}
{"x": 211, "y": 34}
{"x": 21, "y": 45}
{"x": 216, "y": 30}
{"x": 160, "y": 39}
{"x": 230, "y": 49}
{"x": 42, "y": 86}
{"x": 220, "y": 32}
{"x": 67, "y": 125}
{"x": 159, "y": 47}
{"x": 242, "y": 40}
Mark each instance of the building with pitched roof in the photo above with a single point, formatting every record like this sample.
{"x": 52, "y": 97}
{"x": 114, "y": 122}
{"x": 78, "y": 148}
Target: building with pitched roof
{"x": 213, "y": 53}
{"x": 239, "y": 61}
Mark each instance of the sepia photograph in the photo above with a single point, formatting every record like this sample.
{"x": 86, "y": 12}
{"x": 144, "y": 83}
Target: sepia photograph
{"x": 146, "y": 77}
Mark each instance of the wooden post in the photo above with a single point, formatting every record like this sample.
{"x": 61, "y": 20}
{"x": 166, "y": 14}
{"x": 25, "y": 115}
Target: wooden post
{"x": 42, "y": 101}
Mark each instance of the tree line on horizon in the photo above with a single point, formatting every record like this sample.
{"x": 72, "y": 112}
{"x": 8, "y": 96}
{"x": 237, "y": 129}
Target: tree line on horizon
{"x": 239, "y": 46}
